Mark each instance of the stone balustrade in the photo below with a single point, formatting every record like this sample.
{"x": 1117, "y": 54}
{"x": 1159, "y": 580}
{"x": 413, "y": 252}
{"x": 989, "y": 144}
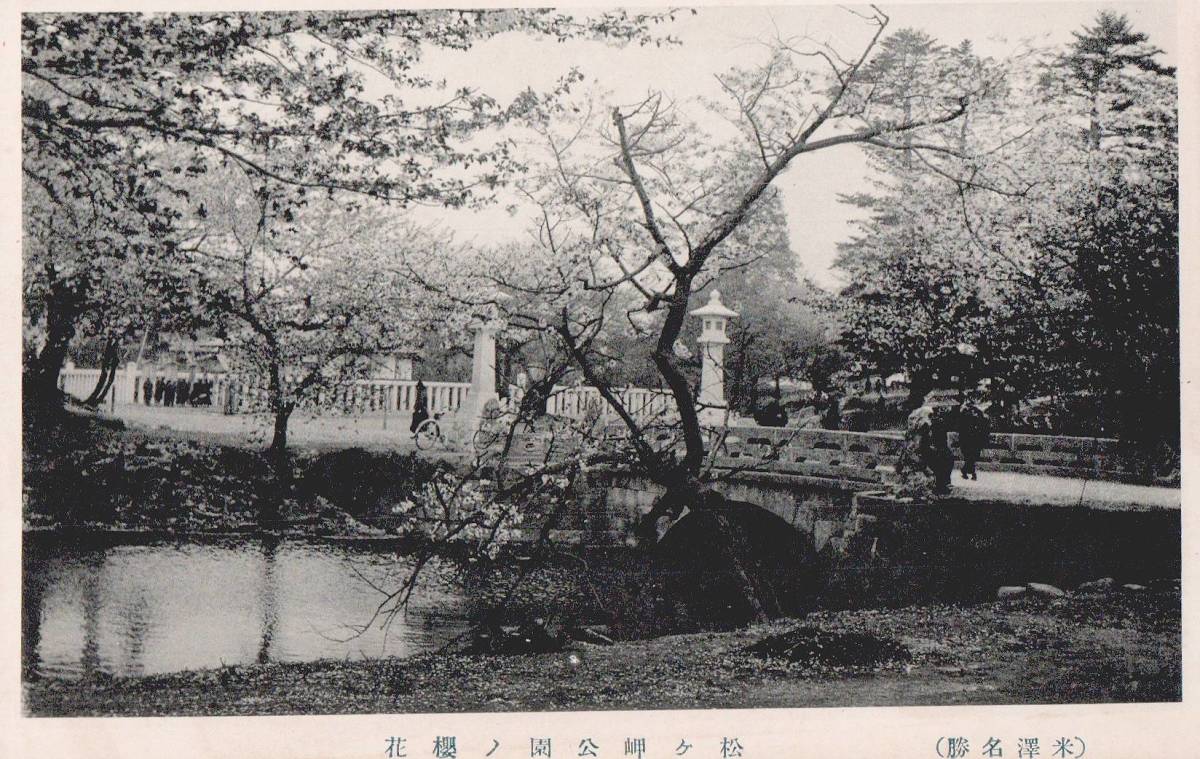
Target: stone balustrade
{"x": 233, "y": 395}
{"x": 1057, "y": 455}
{"x": 645, "y": 405}
{"x": 78, "y": 383}
{"x": 836, "y": 454}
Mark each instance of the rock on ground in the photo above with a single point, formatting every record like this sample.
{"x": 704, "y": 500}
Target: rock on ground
{"x": 1044, "y": 589}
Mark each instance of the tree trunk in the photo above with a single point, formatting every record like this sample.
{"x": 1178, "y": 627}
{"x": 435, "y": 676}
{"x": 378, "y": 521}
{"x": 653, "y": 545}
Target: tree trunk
{"x": 279, "y": 435}
{"x": 103, "y": 382}
{"x": 43, "y": 378}
{"x": 676, "y": 381}
{"x": 108, "y": 372}
{"x": 279, "y": 486}
{"x": 62, "y": 310}
{"x": 763, "y": 601}
{"x": 269, "y": 508}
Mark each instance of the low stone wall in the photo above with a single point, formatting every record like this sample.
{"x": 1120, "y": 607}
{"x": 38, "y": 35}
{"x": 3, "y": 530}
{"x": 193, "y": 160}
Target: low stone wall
{"x": 1056, "y": 455}
{"x": 963, "y": 550}
{"x": 847, "y": 456}
{"x": 867, "y": 456}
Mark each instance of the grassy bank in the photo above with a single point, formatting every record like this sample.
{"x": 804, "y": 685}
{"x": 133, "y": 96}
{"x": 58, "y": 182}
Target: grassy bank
{"x": 1119, "y": 647}
{"x": 82, "y": 471}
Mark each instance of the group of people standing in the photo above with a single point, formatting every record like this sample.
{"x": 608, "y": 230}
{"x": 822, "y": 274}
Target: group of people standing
{"x": 926, "y": 442}
{"x": 179, "y": 391}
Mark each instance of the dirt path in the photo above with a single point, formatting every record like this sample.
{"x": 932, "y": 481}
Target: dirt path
{"x": 1012, "y": 487}
{"x": 374, "y": 431}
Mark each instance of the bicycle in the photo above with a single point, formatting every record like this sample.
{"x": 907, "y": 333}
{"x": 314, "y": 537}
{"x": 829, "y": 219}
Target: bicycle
{"x": 488, "y": 436}
{"x": 429, "y": 433}
{"x": 491, "y": 430}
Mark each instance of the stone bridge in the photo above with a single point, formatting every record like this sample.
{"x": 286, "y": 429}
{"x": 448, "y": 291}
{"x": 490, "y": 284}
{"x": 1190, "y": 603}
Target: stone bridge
{"x": 868, "y": 458}
{"x": 827, "y": 483}
{"x": 817, "y": 507}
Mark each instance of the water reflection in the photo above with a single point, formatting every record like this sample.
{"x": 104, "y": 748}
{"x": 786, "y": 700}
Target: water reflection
{"x": 33, "y": 587}
{"x": 89, "y": 662}
{"x": 267, "y": 599}
{"x": 148, "y": 609}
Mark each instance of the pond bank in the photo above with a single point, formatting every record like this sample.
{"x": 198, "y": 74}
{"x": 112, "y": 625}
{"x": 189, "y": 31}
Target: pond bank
{"x": 1119, "y": 647}
{"x": 87, "y": 473}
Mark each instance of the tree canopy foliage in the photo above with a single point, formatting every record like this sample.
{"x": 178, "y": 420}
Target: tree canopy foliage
{"x": 122, "y": 112}
{"x": 1048, "y": 239}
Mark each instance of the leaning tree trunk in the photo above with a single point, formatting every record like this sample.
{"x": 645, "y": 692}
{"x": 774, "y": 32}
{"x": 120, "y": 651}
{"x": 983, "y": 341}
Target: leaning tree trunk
{"x": 683, "y": 485}
{"x": 108, "y": 372}
{"x": 63, "y": 306}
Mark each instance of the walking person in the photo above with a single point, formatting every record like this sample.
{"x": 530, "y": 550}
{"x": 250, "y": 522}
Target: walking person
{"x": 925, "y": 455}
{"x": 938, "y": 456}
{"x": 973, "y": 429}
{"x": 420, "y": 408}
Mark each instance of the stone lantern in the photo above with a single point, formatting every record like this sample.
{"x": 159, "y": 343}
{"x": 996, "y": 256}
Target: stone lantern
{"x": 712, "y": 341}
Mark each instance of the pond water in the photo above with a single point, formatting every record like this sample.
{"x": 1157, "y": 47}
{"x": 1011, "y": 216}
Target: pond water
{"x": 148, "y": 607}
{"x": 167, "y": 606}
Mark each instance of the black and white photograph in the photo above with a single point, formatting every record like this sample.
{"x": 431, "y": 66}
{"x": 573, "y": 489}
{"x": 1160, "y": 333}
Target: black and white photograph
{"x": 404, "y": 360}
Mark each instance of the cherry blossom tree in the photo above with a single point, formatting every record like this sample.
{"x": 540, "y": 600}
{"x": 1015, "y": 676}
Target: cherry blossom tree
{"x": 639, "y": 206}
{"x": 649, "y": 199}
{"x": 307, "y": 295}
{"x": 314, "y": 102}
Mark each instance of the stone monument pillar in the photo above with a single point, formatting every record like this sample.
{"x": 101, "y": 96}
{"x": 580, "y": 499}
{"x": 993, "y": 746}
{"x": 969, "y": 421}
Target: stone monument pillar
{"x": 483, "y": 377}
{"x": 712, "y": 341}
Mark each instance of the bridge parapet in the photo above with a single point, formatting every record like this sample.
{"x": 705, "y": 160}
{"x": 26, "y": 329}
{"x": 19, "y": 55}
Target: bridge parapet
{"x": 869, "y": 456}
{"x": 1055, "y": 455}
{"x": 850, "y": 456}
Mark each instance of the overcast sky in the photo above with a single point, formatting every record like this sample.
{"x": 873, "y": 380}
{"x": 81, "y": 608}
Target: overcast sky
{"x": 717, "y": 38}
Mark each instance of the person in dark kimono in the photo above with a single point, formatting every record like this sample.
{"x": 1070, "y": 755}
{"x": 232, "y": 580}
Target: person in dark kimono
{"x": 168, "y": 393}
{"x": 973, "y": 429}
{"x": 203, "y": 393}
{"x": 420, "y": 407}
{"x": 831, "y": 419}
{"x": 160, "y": 389}
{"x": 147, "y": 391}
{"x": 926, "y": 455}
{"x": 937, "y": 454}
{"x": 182, "y": 386}
{"x": 771, "y": 415}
